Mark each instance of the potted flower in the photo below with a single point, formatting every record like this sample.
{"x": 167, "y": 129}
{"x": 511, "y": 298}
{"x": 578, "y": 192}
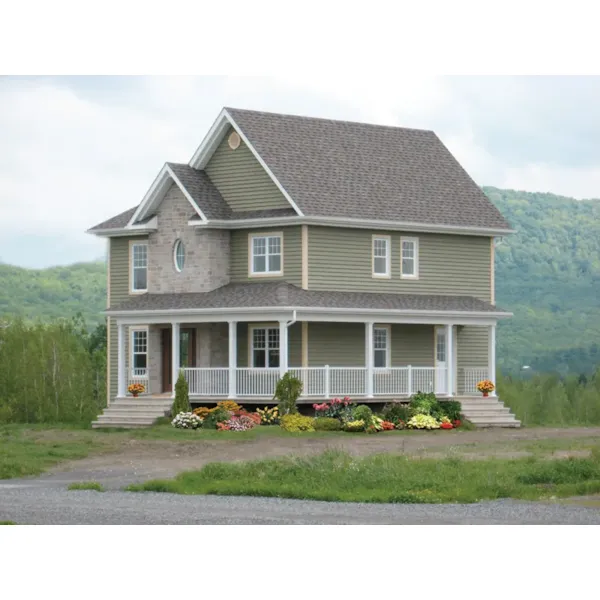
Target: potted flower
{"x": 485, "y": 387}
{"x": 135, "y": 389}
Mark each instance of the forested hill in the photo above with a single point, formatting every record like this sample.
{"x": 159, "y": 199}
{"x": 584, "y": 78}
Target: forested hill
{"x": 547, "y": 274}
{"x": 54, "y": 292}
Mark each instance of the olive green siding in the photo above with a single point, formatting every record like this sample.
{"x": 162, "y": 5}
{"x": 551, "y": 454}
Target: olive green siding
{"x": 336, "y": 344}
{"x": 472, "y": 351}
{"x": 412, "y": 345}
{"x": 118, "y": 291}
{"x": 294, "y": 343}
{"x": 341, "y": 260}
{"x": 292, "y": 255}
{"x": 241, "y": 179}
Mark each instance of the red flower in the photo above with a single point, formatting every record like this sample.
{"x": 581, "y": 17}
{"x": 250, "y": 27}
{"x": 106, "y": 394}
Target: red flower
{"x": 446, "y": 426}
{"x": 457, "y": 423}
{"x": 347, "y": 400}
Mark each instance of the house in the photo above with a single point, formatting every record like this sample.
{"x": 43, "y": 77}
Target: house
{"x": 359, "y": 257}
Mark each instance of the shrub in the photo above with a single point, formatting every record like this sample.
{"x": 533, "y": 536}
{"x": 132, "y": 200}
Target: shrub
{"x": 182, "y": 398}
{"x": 400, "y": 424}
{"x": 377, "y": 423}
{"x": 239, "y": 423}
{"x": 202, "y": 411}
{"x": 425, "y": 404}
{"x": 327, "y": 424}
{"x": 423, "y": 422}
{"x": 296, "y": 422}
{"x": 214, "y": 417}
{"x": 254, "y": 417}
{"x": 287, "y": 392}
{"x": 387, "y": 425}
{"x": 363, "y": 413}
{"x": 187, "y": 420}
{"x": 357, "y": 425}
{"x": 268, "y": 416}
{"x": 229, "y": 405}
{"x": 451, "y": 409}
{"x": 396, "y": 411}
{"x": 338, "y": 409}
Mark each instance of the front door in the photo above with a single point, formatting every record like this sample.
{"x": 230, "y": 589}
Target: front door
{"x": 167, "y": 357}
{"x": 441, "y": 374}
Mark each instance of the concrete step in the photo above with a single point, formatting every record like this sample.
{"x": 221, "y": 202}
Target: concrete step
{"x": 488, "y": 414}
{"x": 514, "y": 424}
{"x": 477, "y": 420}
{"x": 142, "y": 402}
{"x": 117, "y": 424}
{"x": 124, "y": 415}
{"x": 118, "y": 408}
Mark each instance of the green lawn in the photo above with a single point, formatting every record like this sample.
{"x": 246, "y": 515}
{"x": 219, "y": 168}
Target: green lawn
{"x": 86, "y": 485}
{"x": 336, "y": 476}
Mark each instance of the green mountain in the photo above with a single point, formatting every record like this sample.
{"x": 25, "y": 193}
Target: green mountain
{"x": 547, "y": 274}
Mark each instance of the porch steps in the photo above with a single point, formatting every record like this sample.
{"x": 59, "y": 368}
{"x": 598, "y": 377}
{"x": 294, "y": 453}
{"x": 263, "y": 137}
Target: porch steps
{"x": 133, "y": 412}
{"x": 487, "y": 412}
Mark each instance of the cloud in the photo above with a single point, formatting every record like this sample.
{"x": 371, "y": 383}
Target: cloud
{"x": 77, "y": 150}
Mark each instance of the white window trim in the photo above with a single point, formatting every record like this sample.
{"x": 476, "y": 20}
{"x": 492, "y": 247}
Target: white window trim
{"x": 266, "y": 234}
{"x": 388, "y": 349}
{"x": 251, "y": 329}
{"x": 388, "y": 258}
{"x": 132, "y": 290}
{"x": 132, "y": 330}
{"x": 415, "y": 241}
{"x": 178, "y": 242}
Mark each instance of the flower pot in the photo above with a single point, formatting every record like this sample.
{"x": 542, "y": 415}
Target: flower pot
{"x": 485, "y": 394}
{"x": 135, "y": 395}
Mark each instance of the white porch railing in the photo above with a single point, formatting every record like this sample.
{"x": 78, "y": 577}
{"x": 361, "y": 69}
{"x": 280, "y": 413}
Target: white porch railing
{"x": 322, "y": 382}
{"x": 138, "y": 376}
{"x": 471, "y": 376}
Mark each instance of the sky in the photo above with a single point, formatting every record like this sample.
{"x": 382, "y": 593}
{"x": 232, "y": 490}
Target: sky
{"x": 75, "y": 151}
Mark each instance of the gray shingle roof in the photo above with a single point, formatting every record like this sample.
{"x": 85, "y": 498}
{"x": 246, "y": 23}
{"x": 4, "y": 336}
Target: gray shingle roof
{"x": 281, "y": 294}
{"x": 115, "y": 222}
{"x": 356, "y": 170}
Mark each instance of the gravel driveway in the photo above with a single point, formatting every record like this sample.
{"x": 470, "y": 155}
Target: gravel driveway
{"x": 27, "y": 504}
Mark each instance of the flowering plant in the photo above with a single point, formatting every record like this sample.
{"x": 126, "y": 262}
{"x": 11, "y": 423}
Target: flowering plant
{"x": 486, "y": 386}
{"x": 387, "y": 425}
{"x": 358, "y": 425}
{"x": 186, "y": 420}
{"x": 400, "y": 424}
{"x": 457, "y": 423}
{"x": 268, "y": 416}
{"x": 136, "y": 388}
{"x": 254, "y": 417}
{"x": 238, "y": 423}
{"x": 338, "y": 409}
{"x": 423, "y": 422}
{"x": 445, "y": 423}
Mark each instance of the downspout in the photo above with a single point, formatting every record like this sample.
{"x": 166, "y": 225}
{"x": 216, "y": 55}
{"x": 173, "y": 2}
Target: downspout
{"x": 293, "y": 319}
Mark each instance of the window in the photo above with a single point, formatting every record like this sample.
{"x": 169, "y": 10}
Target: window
{"x": 440, "y": 346}
{"x": 381, "y": 342}
{"x": 139, "y": 352}
{"x": 409, "y": 258}
{"x": 139, "y": 267}
{"x": 265, "y": 347}
{"x": 381, "y": 256}
{"x": 179, "y": 255}
{"x": 266, "y": 254}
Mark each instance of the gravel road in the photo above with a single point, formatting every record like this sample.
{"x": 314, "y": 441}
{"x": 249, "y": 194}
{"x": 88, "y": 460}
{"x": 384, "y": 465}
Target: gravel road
{"x": 28, "y": 503}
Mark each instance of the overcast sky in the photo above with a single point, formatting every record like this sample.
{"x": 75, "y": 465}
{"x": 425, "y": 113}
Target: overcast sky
{"x": 75, "y": 151}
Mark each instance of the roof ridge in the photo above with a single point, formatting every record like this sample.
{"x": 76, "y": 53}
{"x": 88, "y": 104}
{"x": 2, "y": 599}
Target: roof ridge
{"x": 348, "y": 122}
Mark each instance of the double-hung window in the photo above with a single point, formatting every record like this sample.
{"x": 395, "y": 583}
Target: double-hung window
{"x": 265, "y": 347}
{"x": 139, "y": 352}
{"x": 409, "y": 258}
{"x": 381, "y": 256}
{"x": 139, "y": 267}
{"x": 266, "y": 254}
{"x": 381, "y": 347}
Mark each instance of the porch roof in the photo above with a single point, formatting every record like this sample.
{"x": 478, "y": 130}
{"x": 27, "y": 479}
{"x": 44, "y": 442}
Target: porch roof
{"x": 277, "y": 295}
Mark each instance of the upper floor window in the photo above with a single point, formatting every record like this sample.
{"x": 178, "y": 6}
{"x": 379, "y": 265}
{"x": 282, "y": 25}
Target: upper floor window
{"x": 139, "y": 267}
{"x": 266, "y": 254}
{"x": 179, "y": 255}
{"x": 409, "y": 258}
{"x": 381, "y": 256}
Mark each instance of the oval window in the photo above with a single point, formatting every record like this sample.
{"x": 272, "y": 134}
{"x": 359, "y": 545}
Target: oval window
{"x": 179, "y": 255}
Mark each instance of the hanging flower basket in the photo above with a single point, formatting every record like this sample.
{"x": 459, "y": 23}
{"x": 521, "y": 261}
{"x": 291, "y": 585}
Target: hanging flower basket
{"x": 135, "y": 389}
{"x": 485, "y": 387}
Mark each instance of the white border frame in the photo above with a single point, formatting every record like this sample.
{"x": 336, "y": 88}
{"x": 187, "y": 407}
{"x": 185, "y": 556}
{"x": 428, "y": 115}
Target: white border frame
{"x": 251, "y": 329}
{"x": 388, "y": 349}
{"x": 133, "y": 243}
{"x": 178, "y": 242}
{"x": 415, "y": 241}
{"x": 251, "y": 236}
{"x": 132, "y": 330}
{"x": 388, "y": 258}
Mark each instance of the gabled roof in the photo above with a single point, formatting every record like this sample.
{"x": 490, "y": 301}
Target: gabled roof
{"x": 283, "y": 295}
{"x": 116, "y": 222}
{"x": 361, "y": 171}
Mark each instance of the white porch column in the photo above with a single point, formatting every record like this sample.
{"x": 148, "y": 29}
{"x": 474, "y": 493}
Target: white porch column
{"x": 121, "y": 361}
{"x": 232, "y": 358}
{"x": 369, "y": 358}
{"x": 175, "y": 354}
{"x": 283, "y": 348}
{"x": 492, "y": 355}
{"x": 450, "y": 360}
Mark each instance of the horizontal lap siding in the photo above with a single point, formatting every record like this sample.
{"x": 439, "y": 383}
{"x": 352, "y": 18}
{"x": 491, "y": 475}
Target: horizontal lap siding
{"x": 472, "y": 351}
{"x": 241, "y": 179}
{"x": 340, "y": 260}
{"x": 336, "y": 344}
{"x": 292, "y": 255}
{"x": 412, "y": 345}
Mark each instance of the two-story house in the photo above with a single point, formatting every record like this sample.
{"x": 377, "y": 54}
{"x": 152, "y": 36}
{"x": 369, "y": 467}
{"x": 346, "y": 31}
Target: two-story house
{"x": 360, "y": 257}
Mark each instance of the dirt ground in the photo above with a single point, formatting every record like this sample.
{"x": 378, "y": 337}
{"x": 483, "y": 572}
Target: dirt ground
{"x": 136, "y": 460}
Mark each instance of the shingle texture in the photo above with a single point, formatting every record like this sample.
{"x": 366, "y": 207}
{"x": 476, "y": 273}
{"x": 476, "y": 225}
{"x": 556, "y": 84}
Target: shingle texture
{"x": 356, "y": 170}
{"x": 115, "y": 222}
{"x": 281, "y": 294}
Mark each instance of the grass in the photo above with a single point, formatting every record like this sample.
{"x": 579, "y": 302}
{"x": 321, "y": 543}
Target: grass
{"x": 86, "y": 485}
{"x": 337, "y": 476}
{"x": 7, "y": 523}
